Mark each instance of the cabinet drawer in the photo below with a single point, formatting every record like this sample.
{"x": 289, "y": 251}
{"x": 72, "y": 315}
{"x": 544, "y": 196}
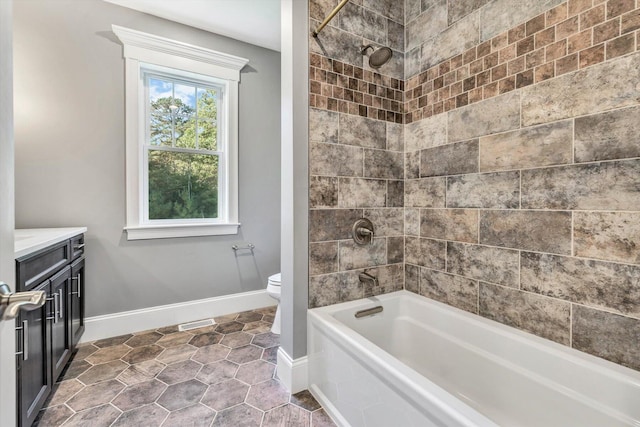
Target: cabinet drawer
{"x": 77, "y": 246}
{"x": 34, "y": 268}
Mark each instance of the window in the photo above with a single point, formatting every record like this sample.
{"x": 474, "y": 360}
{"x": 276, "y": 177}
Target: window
{"x": 181, "y": 138}
{"x": 184, "y": 161}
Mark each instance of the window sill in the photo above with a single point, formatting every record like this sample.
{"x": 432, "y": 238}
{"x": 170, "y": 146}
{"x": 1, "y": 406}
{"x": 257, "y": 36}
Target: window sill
{"x": 145, "y": 232}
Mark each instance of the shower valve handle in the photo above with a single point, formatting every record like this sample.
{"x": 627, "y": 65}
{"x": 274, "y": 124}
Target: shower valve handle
{"x": 363, "y": 231}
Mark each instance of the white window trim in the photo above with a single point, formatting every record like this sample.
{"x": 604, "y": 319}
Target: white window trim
{"x": 222, "y": 152}
{"x": 140, "y": 49}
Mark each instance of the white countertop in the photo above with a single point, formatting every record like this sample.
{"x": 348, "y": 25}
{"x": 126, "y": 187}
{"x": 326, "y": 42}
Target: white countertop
{"x": 29, "y": 240}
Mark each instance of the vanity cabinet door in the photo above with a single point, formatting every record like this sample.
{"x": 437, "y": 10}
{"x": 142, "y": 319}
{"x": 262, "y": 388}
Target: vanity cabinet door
{"x": 61, "y": 322}
{"x": 34, "y": 379}
{"x": 77, "y": 301}
{"x": 46, "y": 337}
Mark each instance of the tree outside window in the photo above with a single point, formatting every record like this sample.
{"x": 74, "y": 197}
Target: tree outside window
{"x": 182, "y": 149}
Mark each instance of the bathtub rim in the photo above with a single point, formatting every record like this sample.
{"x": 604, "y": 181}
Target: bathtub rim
{"x": 404, "y": 380}
{"x": 373, "y": 356}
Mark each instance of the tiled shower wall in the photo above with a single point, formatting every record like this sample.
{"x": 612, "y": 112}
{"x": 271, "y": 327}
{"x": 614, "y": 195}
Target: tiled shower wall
{"x": 521, "y": 175}
{"x": 522, "y": 184}
{"x": 356, "y": 151}
{"x": 357, "y": 171}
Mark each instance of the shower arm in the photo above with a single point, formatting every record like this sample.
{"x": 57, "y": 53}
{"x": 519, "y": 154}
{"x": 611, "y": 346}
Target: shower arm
{"x": 329, "y": 17}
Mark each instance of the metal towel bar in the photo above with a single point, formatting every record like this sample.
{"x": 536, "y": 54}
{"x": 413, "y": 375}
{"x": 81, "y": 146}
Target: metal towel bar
{"x": 249, "y": 246}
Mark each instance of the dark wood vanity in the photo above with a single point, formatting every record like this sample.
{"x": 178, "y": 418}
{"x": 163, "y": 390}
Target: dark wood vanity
{"x": 47, "y": 337}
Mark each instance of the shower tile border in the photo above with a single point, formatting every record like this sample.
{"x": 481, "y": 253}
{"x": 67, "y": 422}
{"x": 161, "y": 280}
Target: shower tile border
{"x": 549, "y": 45}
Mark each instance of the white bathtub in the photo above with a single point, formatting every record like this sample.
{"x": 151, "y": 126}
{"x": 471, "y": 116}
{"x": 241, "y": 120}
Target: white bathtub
{"x": 423, "y": 363}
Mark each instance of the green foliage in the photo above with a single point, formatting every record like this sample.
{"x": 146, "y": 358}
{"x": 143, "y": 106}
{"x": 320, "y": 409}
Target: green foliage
{"x": 183, "y": 185}
{"x": 206, "y": 123}
{"x": 168, "y": 115}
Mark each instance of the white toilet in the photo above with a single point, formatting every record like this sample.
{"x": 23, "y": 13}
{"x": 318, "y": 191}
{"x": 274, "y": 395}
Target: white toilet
{"x": 273, "y": 289}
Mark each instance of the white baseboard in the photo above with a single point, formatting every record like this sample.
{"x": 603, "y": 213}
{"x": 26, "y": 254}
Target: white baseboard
{"x": 292, "y": 373}
{"x": 111, "y": 325}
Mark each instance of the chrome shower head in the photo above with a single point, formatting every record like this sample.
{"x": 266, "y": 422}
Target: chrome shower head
{"x": 379, "y": 57}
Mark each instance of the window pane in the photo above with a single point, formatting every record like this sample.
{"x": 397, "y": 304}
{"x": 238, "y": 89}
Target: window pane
{"x": 182, "y": 186}
{"x": 172, "y": 106}
{"x": 160, "y": 129}
{"x": 186, "y": 95}
{"x": 172, "y": 113}
{"x": 208, "y": 103}
{"x": 159, "y": 89}
{"x": 185, "y": 130}
{"x": 207, "y": 135}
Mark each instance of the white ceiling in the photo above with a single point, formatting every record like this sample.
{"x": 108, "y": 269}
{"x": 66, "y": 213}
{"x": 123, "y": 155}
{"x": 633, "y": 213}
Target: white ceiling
{"x": 251, "y": 21}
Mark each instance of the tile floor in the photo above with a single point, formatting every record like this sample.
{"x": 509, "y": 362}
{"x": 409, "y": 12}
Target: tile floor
{"x": 220, "y": 375}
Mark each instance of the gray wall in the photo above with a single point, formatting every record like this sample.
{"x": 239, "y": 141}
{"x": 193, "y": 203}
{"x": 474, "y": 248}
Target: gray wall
{"x": 69, "y": 90}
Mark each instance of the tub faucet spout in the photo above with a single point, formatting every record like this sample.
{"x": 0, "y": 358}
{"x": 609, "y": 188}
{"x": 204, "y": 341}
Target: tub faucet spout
{"x": 365, "y": 277}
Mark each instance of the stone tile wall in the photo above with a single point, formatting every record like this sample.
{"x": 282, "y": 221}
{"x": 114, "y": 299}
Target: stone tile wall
{"x": 356, "y": 159}
{"x": 467, "y": 62}
{"x": 356, "y": 167}
{"x": 341, "y": 78}
{"x": 524, "y": 208}
{"x": 439, "y": 29}
{"x": 337, "y": 86}
{"x": 360, "y": 23}
{"x": 521, "y": 201}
